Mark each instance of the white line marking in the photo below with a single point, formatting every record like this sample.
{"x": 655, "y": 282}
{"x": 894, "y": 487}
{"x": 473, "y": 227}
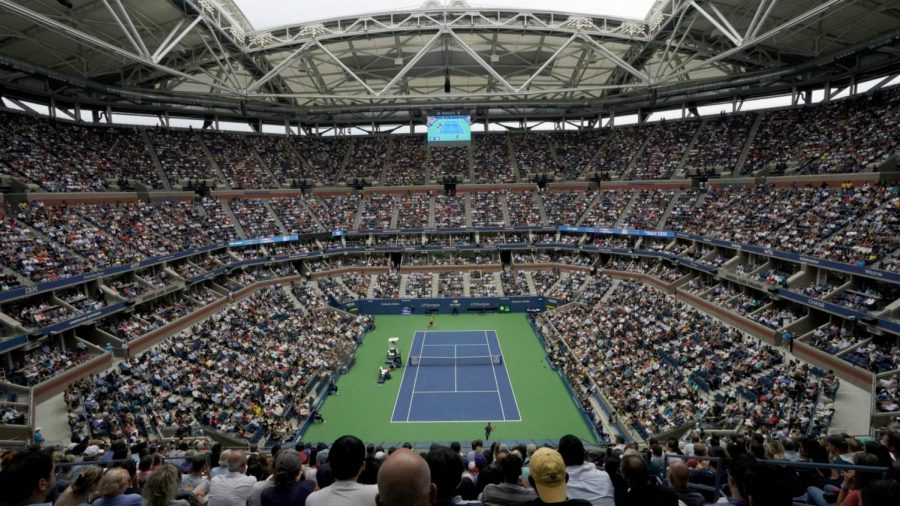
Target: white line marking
{"x": 456, "y": 392}
{"x": 454, "y": 421}
{"x": 496, "y": 383}
{"x": 500, "y": 349}
{"x": 454, "y": 368}
{"x": 447, "y": 345}
{"x": 397, "y": 399}
{"x": 415, "y": 378}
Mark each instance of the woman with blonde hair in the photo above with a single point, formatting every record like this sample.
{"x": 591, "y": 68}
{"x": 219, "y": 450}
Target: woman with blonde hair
{"x": 775, "y": 450}
{"x": 162, "y": 486}
{"x": 112, "y": 487}
{"x": 79, "y": 492}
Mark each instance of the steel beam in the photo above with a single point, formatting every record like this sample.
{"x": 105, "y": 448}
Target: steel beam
{"x": 614, "y": 58}
{"x": 411, "y": 63}
{"x": 78, "y": 35}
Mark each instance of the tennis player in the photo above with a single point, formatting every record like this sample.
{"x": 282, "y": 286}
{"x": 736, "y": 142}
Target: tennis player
{"x": 431, "y": 322}
{"x": 487, "y": 431}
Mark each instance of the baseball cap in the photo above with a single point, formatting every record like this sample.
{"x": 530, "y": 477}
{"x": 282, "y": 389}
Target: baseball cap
{"x": 288, "y": 462}
{"x": 322, "y": 456}
{"x": 92, "y": 451}
{"x": 549, "y": 473}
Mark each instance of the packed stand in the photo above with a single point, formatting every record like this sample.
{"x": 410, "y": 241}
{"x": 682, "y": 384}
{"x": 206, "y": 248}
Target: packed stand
{"x": 254, "y": 217}
{"x": 566, "y": 208}
{"x": 839, "y": 136}
{"x": 239, "y": 162}
{"x": 665, "y": 148}
{"x": 491, "y": 156}
{"x": 620, "y": 150}
{"x": 278, "y": 153}
{"x": 534, "y": 154}
{"x": 336, "y": 212}
{"x": 61, "y": 156}
{"x": 449, "y": 211}
{"x": 325, "y": 156}
{"x": 294, "y": 215}
{"x": 407, "y": 161}
{"x": 181, "y": 155}
{"x": 33, "y": 257}
{"x": 367, "y": 158}
{"x": 487, "y": 209}
{"x": 576, "y": 150}
{"x": 449, "y": 161}
{"x": 719, "y": 143}
{"x": 377, "y": 213}
{"x": 243, "y": 371}
{"x": 413, "y": 210}
{"x": 418, "y": 285}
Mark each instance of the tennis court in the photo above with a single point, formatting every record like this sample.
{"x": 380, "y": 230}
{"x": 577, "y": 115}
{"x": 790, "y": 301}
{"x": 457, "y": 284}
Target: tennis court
{"x": 365, "y": 408}
{"x": 455, "y": 376}
{"x": 450, "y": 128}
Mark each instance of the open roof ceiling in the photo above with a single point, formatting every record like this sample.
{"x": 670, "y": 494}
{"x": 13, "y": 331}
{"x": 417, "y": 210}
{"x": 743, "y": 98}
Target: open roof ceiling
{"x": 206, "y": 54}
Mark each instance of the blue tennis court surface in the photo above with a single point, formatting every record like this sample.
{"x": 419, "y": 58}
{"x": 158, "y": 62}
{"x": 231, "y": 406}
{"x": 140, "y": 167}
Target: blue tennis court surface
{"x": 451, "y": 128}
{"x": 458, "y": 376}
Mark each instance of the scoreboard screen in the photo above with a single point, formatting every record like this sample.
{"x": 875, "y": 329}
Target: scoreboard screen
{"x": 449, "y": 129}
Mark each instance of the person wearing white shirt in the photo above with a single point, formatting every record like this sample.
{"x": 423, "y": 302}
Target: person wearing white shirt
{"x": 234, "y": 487}
{"x": 347, "y": 457}
{"x": 585, "y": 480}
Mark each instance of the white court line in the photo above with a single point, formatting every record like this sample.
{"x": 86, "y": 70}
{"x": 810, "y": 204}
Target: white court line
{"x": 500, "y": 349}
{"x": 397, "y": 399}
{"x": 415, "y": 378}
{"x": 447, "y": 345}
{"x": 457, "y": 392}
{"x": 454, "y": 368}
{"x": 496, "y": 383}
{"x": 454, "y": 421}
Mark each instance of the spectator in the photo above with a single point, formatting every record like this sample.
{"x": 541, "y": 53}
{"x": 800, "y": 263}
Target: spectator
{"x": 678, "y": 480}
{"x": 513, "y": 490}
{"x": 880, "y": 493}
{"x": 347, "y": 459}
{"x": 111, "y": 489}
{"x": 234, "y": 487}
{"x": 291, "y": 488}
{"x": 80, "y": 491}
{"x": 27, "y": 477}
{"x": 446, "y": 473}
{"x": 162, "y": 486}
{"x": 196, "y": 482}
{"x": 640, "y": 491}
{"x": 585, "y": 481}
{"x": 405, "y": 480}
{"x": 547, "y": 475}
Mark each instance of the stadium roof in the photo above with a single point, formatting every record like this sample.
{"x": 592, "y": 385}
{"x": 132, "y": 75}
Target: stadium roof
{"x": 205, "y": 56}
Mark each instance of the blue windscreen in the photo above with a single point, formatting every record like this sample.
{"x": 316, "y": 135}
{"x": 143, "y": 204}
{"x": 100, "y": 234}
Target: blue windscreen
{"x": 449, "y": 128}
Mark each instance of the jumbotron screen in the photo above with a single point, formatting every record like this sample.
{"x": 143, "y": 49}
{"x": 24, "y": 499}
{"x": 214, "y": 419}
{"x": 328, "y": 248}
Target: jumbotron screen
{"x": 449, "y": 129}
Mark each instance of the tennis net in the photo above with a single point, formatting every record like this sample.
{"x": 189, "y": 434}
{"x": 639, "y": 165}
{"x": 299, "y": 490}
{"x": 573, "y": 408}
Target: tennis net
{"x": 473, "y": 360}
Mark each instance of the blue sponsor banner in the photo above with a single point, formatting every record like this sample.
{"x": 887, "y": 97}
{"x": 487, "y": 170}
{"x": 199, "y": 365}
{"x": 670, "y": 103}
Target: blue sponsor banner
{"x": 12, "y": 343}
{"x": 616, "y": 231}
{"x": 82, "y": 319}
{"x": 891, "y": 326}
{"x": 868, "y": 272}
{"x": 696, "y": 265}
{"x": 834, "y": 309}
{"x": 462, "y": 305}
{"x": 264, "y": 240}
{"x": 208, "y": 275}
